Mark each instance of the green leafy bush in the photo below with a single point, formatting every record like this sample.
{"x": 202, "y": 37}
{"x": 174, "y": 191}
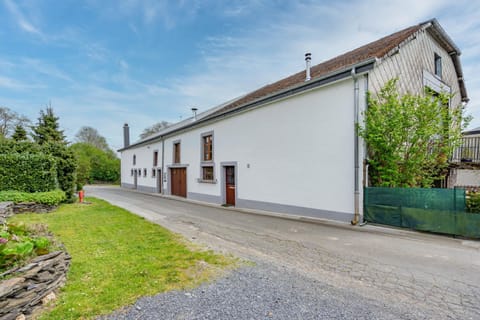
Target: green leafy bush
{"x": 18, "y": 243}
{"x": 473, "y": 201}
{"x": 54, "y": 197}
{"x": 410, "y": 137}
{"x": 28, "y": 172}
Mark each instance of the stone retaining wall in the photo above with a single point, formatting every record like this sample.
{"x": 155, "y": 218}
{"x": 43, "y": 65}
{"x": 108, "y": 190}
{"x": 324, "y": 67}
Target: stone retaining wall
{"x": 32, "y": 207}
{"x": 6, "y": 210}
{"x": 29, "y": 287}
{"x": 33, "y": 285}
{"x": 9, "y": 208}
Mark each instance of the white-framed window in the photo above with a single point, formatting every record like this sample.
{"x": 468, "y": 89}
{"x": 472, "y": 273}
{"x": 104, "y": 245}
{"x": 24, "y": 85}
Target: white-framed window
{"x": 207, "y": 166}
{"x": 176, "y": 152}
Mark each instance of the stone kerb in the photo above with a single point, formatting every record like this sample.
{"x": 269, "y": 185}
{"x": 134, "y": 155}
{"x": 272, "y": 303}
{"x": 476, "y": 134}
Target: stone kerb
{"x": 33, "y": 285}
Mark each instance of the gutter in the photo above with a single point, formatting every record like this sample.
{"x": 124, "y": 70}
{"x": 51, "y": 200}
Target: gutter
{"x": 356, "y": 193}
{"x": 163, "y": 167}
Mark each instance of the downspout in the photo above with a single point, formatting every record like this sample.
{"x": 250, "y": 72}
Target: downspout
{"x": 356, "y": 199}
{"x": 163, "y": 165}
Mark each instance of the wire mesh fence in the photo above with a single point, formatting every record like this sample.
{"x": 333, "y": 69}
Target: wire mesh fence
{"x": 435, "y": 210}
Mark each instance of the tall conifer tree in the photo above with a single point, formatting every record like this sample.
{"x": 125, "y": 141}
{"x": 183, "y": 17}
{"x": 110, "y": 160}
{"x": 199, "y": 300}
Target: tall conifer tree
{"x": 47, "y": 129}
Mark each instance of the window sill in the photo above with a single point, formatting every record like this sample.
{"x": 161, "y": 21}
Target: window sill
{"x": 207, "y": 181}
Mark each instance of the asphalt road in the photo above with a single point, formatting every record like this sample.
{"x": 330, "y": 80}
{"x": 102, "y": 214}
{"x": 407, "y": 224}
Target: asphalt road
{"x": 366, "y": 272}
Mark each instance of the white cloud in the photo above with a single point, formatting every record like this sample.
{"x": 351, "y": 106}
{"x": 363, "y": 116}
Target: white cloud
{"x": 14, "y": 84}
{"x": 123, "y": 64}
{"x": 45, "y": 68}
{"x": 20, "y": 18}
{"x": 234, "y": 64}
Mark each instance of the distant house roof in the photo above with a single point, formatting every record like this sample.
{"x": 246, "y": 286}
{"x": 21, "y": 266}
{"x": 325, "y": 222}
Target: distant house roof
{"x": 472, "y": 131}
{"x": 363, "y": 56}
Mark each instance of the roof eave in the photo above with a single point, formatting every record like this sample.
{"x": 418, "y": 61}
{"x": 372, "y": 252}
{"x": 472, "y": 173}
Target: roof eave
{"x": 447, "y": 43}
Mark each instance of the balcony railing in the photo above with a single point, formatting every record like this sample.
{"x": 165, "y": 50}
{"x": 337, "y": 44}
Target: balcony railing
{"x": 469, "y": 151}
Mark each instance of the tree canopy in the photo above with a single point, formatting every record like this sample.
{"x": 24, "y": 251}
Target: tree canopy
{"x": 91, "y": 136}
{"x": 20, "y": 133}
{"x": 157, "y": 127}
{"x": 410, "y": 137}
{"x": 95, "y": 164}
{"x": 9, "y": 120}
{"x": 47, "y": 129}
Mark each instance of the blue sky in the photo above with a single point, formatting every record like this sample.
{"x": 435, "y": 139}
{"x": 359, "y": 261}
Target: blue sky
{"x": 104, "y": 63}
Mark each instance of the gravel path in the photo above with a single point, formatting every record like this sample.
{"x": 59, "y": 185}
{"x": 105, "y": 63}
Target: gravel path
{"x": 262, "y": 292}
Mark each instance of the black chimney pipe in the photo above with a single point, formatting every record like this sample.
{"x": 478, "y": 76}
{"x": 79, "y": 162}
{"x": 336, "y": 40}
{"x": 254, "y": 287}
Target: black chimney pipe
{"x": 126, "y": 135}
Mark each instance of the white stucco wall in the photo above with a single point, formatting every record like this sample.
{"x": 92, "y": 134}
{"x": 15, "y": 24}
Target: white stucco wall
{"x": 144, "y": 160}
{"x": 467, "y": 177}
{"x": 295, "y": 152}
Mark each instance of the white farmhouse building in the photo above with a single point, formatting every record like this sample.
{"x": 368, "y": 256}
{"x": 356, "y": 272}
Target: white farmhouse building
{"x": 291, "y": 146}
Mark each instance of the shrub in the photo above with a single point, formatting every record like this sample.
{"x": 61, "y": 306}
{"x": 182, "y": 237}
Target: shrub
{"x": 473, "y": 202}
{"x": 18, "y": 243}
{"x": 51, "y": 198}
{"x": 28, "y": 172}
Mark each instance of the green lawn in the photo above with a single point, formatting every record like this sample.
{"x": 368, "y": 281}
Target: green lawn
{"x": 118, "y": 257}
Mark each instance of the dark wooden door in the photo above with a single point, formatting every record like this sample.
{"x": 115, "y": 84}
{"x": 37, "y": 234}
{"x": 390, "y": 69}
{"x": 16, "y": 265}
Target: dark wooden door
{"x": 230, "y": 185}
{"x": 135, "y": 178}
{"x": 159, "y": 181}
{"x": 179, "y": 182}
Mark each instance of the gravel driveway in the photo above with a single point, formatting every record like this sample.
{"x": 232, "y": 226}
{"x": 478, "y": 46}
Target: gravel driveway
{"x": 262, "y": 292}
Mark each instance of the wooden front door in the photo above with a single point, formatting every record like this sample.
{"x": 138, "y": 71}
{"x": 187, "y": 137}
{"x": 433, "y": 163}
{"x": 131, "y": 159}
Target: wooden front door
{"x": 230, "y": 185}
{"x": 178, "y": 178}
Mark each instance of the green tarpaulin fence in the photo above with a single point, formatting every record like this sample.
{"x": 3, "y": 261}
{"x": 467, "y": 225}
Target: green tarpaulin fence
{"x": 434, "y": 210}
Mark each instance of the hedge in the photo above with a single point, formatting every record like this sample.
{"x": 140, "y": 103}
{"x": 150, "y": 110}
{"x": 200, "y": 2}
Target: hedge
{"x": 28, "y": 172}
{"x": 65, "y": 164}
{"x": 54, "y": 197}
{"x": 66, "y": 167}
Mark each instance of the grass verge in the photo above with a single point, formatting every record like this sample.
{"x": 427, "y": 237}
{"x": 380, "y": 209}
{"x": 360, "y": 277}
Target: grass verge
{"x": 118, "y": 257}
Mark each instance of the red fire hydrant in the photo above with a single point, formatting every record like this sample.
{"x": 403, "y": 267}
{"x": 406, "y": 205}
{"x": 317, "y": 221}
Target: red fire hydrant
{"x": 81, "y": 194}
